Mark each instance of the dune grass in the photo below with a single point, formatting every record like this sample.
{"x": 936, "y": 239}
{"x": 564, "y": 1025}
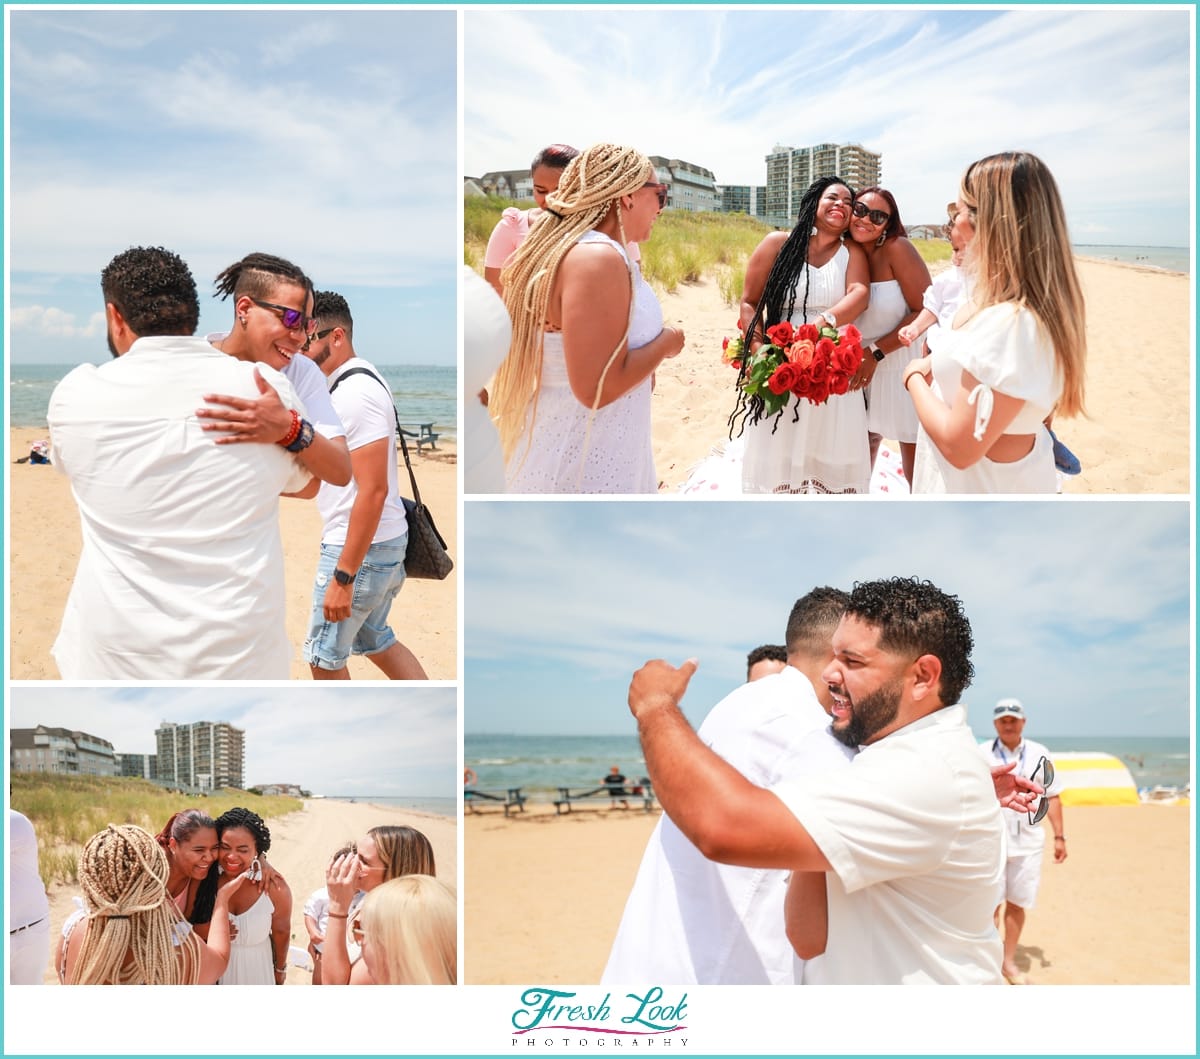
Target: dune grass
{"x": 67, "y": 810}
{"x": 683, "y": 247}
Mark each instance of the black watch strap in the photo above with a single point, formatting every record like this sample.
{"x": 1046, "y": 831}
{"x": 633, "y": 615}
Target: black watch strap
{"x": 343, "y": 578}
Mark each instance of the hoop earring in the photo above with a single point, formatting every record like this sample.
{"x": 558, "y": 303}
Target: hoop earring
{"x": 881, "y": 240}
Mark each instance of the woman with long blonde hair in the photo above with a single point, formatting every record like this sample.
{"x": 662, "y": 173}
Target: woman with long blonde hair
{"x": 408, "y": 930}
{"x": 571, "y": 401}
{"x": 1017, "y": 349}
{"x": 132, "y": 933}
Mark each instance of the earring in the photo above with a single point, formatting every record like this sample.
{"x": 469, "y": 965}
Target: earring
{"x": 881, "y": 240}
{"x": 243, "y": 320}
{"x": 814, "y": 230}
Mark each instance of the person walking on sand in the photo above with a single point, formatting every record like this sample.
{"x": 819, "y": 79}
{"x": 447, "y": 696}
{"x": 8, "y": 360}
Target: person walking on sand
{"x": 897, "y": 860}
{"x": 1023, "y": 870}
{"x": 365, "y": 536}
{"x": 180, "y": 573}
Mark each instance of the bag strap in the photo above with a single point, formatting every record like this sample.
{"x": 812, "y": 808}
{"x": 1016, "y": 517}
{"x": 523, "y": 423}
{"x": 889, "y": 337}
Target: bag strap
{"x": 399, "y": 429}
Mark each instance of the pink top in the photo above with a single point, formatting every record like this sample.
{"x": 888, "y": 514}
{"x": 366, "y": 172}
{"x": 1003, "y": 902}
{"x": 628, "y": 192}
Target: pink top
{"x": 509, "y": 233}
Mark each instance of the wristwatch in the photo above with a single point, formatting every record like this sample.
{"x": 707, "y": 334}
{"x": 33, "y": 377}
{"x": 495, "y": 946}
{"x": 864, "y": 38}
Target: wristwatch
{"x": 303, "y": 439}
{"x": 876, "y": 352}
{"x": 343, "y": 578}
{"x": 830, "y": 319}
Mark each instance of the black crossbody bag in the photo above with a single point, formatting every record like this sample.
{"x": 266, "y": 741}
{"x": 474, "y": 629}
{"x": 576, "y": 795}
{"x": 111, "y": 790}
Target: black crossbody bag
{"x": 426, "y": 557}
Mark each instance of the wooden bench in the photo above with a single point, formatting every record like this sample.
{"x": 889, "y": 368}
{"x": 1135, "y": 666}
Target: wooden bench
{"x": 508, "y": 797}
{"x": 424, "y": 434}
{"x": 568, "y": 795}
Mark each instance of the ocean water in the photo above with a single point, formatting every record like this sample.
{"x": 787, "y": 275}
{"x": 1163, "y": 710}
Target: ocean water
{"x": 423, "y": 393}
{"x": 540, "y": 763}
{"x": 420, "y": 803}
{"x": 1169, "y": 258}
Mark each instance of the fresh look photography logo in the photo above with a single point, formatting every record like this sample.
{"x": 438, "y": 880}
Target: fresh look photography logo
{"x": 636, "y": 1020}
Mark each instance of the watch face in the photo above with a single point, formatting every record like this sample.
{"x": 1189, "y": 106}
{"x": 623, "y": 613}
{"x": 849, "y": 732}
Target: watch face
{"x": 879, "y": 354}
{"x": 342, "y": 578}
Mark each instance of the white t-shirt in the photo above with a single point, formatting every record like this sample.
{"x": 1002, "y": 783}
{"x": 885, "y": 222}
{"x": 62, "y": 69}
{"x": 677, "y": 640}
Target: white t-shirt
{"x": 365, "y": 408}
{"x": 180, "y": 574}
{"x": 691, "y": 920}
{"x": 916, "y": 842}
{"x": 309, "y": 383}
{"x": 943, "y": 297}
{"x": 1023, "y": 838}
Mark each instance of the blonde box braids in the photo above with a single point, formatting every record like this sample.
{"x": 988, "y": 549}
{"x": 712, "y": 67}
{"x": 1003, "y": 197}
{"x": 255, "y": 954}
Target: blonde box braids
{"x": 592, "y": 184}
{"x": 131, "y": 919}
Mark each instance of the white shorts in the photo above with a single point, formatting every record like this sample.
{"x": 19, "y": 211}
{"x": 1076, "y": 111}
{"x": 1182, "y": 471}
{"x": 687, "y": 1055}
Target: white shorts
{"x": 1021, "y": 878}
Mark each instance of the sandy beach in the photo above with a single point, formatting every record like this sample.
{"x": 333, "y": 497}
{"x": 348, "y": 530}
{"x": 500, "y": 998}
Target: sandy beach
{"x": 543, "y": 896}
{"x": 44, "y": 552}
{"x": 301, "y": 844}
{"x": 1136, "y": 436}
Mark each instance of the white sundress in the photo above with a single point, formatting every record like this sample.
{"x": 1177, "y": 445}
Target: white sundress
{"x": 250, "y": 955}
{"x": 573, "y": 450}
{"x": 1007, "y": 350}
{"x": 890, "y": 411}
{"x": 826, "y": 449}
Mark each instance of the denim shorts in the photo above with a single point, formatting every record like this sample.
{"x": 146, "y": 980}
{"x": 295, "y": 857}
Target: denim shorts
{"x": 366, "y": 631}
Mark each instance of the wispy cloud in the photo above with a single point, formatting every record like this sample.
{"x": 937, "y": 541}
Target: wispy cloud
{"x": 327, "y": 137}
{"x": 1086, "y": 632}
{"x": 373, "y": 741}
{"x": 1102, "y": 94}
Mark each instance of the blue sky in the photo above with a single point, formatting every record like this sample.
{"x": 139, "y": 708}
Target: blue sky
{"x": 327, "y": 137}
{"x": 1102, "y": 95}
{"x": 368, "y": 741}
{"x": 1079, "y": 609}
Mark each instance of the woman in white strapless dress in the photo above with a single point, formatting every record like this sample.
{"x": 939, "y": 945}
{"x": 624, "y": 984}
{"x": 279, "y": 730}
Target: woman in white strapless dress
{"x": 258, "y": 954}
{"x": 572, "y": 399}
{"x": 899, "y": 279}
{"x": 807, "y": 275}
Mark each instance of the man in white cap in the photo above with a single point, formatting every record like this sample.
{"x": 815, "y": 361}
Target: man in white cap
{"x": 1025, "y": 837}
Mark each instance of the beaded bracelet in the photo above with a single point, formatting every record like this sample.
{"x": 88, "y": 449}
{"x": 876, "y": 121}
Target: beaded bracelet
{"x": 292, "y": 433}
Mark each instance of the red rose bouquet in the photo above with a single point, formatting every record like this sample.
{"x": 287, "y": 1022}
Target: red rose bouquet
{"x": 805, "y": 362}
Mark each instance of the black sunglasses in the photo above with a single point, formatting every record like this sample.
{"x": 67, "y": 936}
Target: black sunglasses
{"x": 662, "y": 192}
{"x": 292, "y": 319}
{"x": 1046, "y": 768}
{"x": 859, "y": 209}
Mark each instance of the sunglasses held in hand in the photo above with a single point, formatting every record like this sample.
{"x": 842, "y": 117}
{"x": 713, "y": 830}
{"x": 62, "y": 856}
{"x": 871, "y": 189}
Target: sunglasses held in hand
{"x": 1043, "y": 775}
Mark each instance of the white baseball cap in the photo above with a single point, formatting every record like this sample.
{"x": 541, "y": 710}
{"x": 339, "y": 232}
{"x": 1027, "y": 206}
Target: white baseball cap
{"x": 1009, "y": 708}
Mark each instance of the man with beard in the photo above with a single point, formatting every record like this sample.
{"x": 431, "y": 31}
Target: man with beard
{"x": 180, "y": 573}
{"x": 365, "y": 536}
{"x": 898, "y": 859}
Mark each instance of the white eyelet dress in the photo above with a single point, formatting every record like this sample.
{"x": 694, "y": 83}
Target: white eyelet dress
{"x": 573, "y": 450}
{"x": 1008, "y": 351}
{"x": 826, "y": 450}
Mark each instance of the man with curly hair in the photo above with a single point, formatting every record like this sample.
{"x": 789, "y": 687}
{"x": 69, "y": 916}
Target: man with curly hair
{"x": 180, "y": 573}
{"x": 897, "y": 860}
